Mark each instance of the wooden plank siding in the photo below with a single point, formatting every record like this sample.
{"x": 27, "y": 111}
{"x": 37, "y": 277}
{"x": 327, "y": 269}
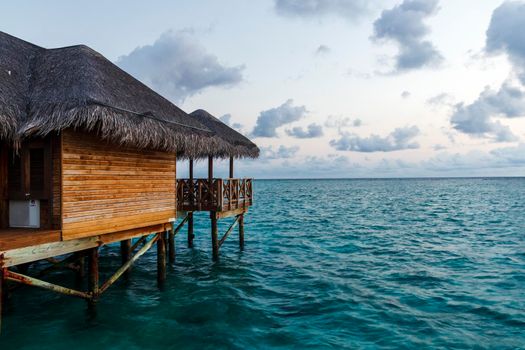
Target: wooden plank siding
{"x": 56, "y": 188}
{"x": 4, "y": 209}
{"x": 107, "y": 188}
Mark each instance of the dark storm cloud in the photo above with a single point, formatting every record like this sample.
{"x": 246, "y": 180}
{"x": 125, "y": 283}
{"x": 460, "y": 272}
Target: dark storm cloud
{"x": 404, "y": 25}
{"x": 178, "y": 67}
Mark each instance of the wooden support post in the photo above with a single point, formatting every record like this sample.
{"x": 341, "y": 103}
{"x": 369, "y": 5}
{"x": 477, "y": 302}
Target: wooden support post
{"x": 231, "y": 167}
{"x": 128, "y": 264}
{"x": 161, "y": 259}
{"x": 214, "y": 236}
{"x": 125, "y": 252}
{"x": 171, "y": 246}
{"x": 241, "y": 232}
{"x": 81, "y": 267}
{"x": 190, "y": 214}
{"x": 93, "y": 276}
{"x": 230, "y": 229}
{"x": 140, "y": 241}
{"x": 191, "y": 236}
{"x": 31, "y": 281}
{"x": 210, "y": 170}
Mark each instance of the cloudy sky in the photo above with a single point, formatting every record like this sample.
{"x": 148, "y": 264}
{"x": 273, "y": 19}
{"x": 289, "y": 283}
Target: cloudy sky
{"x": 326, "y": 88}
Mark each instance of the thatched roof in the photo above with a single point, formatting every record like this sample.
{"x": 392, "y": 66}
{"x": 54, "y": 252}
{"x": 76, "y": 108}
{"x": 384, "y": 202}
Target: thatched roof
{"x": 48, "y": 90}
{"x": 237, "y": 145}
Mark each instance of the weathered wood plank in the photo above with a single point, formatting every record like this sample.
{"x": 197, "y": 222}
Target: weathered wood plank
{"x": 227, "y": 214}
{"x": 37, "y": 251}
{"x": 108, "y": 189}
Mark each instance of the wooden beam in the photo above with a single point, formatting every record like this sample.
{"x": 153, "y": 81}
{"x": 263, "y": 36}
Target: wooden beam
{"x": 171, "y": 247}
{"x": 191, "y": 169}
{"x": 191, "y": 236}
{"x": 127, "y": 265}
{"x": 93, "y": 276}
{"x": 214, "y": 237}
{"x": 241, "y": 232}
{"x": 161, "y": 259}
{"x": 125, "y": 252}
{"x": 230, "y": 213}
{"x": 31, "y": 281}
{"x": 232, "y": 226}
{"x": 37, "y": 252}
{"x": 47, "y": 250}
{"x": 231, "y": 167}
{"x": 138, "y": 242}
{"x": 81, "y": 263}
{"x": 180, "y": 225}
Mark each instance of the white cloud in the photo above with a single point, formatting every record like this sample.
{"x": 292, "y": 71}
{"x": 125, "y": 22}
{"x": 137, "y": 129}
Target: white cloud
{"x": 178, "y": 67}
{"x": 270, "y": 120}
{"x": 348, "y": 9}
{"x": 399, "y": 139}
{"x": 404, "y": 25}
{"x": 312, "y": 131}
{"x": 282, "y": 152}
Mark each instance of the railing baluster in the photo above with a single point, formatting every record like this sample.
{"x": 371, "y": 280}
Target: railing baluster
{"x": 220, "y": 195}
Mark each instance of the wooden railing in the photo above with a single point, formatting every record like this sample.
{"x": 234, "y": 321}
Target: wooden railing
{"x": 222, "y": 195}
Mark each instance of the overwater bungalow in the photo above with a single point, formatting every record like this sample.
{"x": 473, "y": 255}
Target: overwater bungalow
{"x": 88, "y": 157}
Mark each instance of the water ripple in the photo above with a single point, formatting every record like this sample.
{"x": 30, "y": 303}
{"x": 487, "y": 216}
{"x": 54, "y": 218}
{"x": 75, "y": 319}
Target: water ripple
{"x": 328, "y": 264}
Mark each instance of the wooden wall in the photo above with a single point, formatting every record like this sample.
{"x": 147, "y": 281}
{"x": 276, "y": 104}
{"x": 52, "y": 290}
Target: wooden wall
{"x": 4, "y": 209}
{"x": 106, "y": 188}
{"x": 56, "y": 189}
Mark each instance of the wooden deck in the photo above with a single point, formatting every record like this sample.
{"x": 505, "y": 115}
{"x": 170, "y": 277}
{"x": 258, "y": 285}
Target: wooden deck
{"x": 14, "y": 238}
{"x": 223, "y": 195}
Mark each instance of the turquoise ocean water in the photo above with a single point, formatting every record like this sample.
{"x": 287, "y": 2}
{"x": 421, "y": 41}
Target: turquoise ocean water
{"x": 412, "y": 263}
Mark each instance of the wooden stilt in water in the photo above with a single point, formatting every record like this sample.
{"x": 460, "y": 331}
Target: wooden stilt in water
{"x": 191, "y": 236}
{"x": 171, "y": 246}
{"x": 161, "y": 259}
{"x": 125, "y": 252}
{"x": 241, "y": 232}
{"x": 190, "y": 214}
{"x": 93, "y": 276}
{"x": 214, "y": 236}
{"x": 81, "y": 264}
